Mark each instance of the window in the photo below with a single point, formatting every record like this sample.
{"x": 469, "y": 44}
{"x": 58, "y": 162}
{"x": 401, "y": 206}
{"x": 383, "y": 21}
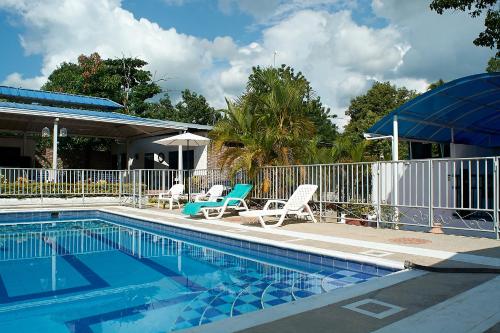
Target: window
{"x": 187, "y": 159}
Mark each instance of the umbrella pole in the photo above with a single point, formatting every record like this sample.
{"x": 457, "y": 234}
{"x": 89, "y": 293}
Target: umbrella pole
{"x": 189, "y": 173}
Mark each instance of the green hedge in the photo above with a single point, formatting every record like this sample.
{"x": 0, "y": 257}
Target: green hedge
{"x": 27, "y": 189}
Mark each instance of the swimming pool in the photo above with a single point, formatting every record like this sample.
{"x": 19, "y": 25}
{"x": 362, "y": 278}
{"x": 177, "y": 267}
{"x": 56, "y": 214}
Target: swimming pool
{"x": 92, "y": 271}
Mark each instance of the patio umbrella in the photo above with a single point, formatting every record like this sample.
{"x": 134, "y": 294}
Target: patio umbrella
{"x": 184, "y": 139}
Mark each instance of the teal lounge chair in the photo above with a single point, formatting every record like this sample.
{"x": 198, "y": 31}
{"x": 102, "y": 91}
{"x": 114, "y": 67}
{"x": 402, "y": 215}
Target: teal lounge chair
{"x": 234, "y": 200}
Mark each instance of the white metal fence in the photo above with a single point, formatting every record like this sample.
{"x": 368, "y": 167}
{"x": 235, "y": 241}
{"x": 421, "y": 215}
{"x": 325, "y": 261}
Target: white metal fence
{"x": 450, "y": 193}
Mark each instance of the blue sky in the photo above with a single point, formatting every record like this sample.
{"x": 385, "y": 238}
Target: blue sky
{"x": 341, "y": 46}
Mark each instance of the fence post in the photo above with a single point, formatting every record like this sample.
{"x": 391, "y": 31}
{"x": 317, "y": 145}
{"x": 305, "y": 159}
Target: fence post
{"x": 496, "y": 227}
{"x": 133, "y": 187}
{"x": 140, "y": 189}
{"x": 41, "y": 186}
{"x": 83, "y": 186}
{"x": 431, "y": 194}
{"x": 379, "y": 195}
{"x": 120, "y": 183}
{"x": 320, "y": 192}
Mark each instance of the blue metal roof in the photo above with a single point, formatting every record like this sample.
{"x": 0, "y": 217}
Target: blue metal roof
{"x": 92, "y": 115}
{"x": 39, "y": 96}
{"x": 468, "y": 107}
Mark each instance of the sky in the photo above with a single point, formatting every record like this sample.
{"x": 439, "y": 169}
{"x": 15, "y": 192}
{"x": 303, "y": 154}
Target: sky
{"x": 210, "y": 46}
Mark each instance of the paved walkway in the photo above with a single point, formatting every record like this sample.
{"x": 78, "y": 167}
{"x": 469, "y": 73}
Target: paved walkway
{"x": 431, "y": 302}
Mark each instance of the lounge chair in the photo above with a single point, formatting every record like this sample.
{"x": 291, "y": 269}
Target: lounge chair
{"x": 172, "y": 195}
{"x": 296, "y": 205}
{"x": 234, "y": 200}
{"x": 214, "y": 193}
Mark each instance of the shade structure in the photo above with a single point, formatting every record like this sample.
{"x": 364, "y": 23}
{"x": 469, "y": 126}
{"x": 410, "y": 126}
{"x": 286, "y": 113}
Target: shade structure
{"x": 463, "y": 111}
{"x": 184, "y": 139}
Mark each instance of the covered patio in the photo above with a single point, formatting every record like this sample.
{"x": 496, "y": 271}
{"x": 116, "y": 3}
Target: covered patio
{"x": 28, "y": 114}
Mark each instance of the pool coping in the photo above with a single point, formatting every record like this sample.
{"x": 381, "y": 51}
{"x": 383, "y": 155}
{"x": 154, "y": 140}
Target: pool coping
{"x": 281, "y": 244}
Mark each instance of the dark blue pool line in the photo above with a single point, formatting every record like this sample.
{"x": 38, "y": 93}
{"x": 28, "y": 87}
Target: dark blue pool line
{"x": 179, "y": 278}
{"x": 82, "y": 325}
{"x": 95, "y": 281}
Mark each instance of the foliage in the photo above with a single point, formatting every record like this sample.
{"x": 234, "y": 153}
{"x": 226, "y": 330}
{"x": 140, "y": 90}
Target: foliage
{"x": 192, "y": 108}
{"x": 121, "y": 80}
{"x": 365, "y": 110}
{"x": 320, "y": 115}
{"x": 22, "y": 188}
{"x": 493, "y": 65}
{"x": 490, "y": 37}
{"x": 436, "y": 84}
{"x": 345, "y": 150}
{"x": 268, "y": 125}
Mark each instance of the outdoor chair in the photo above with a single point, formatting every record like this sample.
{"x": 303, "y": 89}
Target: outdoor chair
{"x": 296, "y": 205}
{"x": 235, "y": 200}
{"x": 172, "y": 196}
{"x": 214, "y": 193}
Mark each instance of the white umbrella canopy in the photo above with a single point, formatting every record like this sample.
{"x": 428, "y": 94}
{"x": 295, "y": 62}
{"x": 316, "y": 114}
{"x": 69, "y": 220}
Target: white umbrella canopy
{"x": 184, "y": 139}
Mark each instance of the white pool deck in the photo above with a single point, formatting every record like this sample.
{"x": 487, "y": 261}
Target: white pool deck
{"x": 407, "y": 301}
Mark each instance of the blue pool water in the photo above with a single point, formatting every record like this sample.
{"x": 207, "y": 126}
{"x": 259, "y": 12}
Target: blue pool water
{"x": 90, "y": 271}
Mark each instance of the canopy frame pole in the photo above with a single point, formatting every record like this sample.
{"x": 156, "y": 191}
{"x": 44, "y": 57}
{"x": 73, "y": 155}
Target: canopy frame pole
{"x": 55, "y": 143}
{"x": 395, "y": 158}
{"x": 452, "y": 143}
{"x": 395, "y": 139}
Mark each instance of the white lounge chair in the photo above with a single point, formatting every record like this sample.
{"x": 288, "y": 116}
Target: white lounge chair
{"x": 172, "y": 195}
{"x": 296, "y": 205}
{"x": 212, "y": 194}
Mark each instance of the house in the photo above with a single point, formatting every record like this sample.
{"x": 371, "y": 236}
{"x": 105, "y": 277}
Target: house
{"x": 27, "y": 115}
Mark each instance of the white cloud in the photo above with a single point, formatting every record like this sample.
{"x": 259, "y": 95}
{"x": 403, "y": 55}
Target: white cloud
{"x": 61, "y": 30}
{"x": 338, "y": 55}
{"x": 17, "y": 80}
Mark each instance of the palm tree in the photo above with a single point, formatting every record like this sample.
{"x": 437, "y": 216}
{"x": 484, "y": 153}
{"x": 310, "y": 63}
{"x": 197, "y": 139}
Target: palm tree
{"x": 267, "y": 126}
{"x": 346, "y": 150}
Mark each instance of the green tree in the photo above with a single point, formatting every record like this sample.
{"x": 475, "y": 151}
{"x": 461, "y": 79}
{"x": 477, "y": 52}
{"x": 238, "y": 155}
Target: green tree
{"x": 313, "y": 108}
{"x": 121, "y": 80}
{"x": 490, "y": 37}
{"x": 436, "y": 84}
{"x": 493, "y": 65}
{"x": 266, "y": 126}
{"x": 192, "y": 108}
{"x": 365, "y": 110}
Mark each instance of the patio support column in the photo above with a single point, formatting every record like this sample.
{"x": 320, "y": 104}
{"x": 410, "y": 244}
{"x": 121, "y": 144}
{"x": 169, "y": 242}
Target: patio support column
{"x": 55, "y": 134}
{"x": 452, "y": 143}
{"x": 395, "y": 139}
{"x": 395, "y": 157}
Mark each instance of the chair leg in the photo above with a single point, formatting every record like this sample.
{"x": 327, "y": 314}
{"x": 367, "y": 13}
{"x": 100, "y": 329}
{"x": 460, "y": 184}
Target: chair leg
{"x": 171, "y": 202}
{"x": 281, "y": 220}
{"x": 263, "y": 222}
{"x": 311, "y": 214}
{"x": 205, "y": 213}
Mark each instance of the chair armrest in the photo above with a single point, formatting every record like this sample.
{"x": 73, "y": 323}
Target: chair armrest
{"x": 226, "y": 202}
{"x": 269, "y": 202}
{"x": 163, "y": 195}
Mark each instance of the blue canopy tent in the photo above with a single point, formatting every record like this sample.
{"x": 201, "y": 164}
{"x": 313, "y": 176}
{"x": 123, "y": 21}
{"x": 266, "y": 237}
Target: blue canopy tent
{"x": 463, "y": 111}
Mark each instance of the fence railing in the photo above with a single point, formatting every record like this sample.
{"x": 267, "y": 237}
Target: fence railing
{"x": 449, "y": 193}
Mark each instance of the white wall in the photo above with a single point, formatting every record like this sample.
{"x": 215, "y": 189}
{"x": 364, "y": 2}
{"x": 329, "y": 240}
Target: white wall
{"x": 143, "y": 146}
